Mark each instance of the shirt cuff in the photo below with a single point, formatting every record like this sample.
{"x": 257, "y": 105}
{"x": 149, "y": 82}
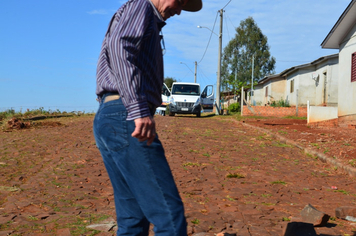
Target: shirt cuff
{"x": 137, "y": 110}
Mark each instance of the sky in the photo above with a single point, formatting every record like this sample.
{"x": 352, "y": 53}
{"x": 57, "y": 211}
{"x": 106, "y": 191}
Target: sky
{"x": 49, "y": 49}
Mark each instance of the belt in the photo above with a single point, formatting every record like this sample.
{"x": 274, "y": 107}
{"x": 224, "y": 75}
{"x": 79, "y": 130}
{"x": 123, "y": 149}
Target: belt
{"x": 113, "y": 97}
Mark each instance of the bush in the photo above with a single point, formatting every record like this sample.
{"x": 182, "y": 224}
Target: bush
{"x": 167, "y": 109}
{"x": 280, "y": 103}
{"x": 234, "y": 107}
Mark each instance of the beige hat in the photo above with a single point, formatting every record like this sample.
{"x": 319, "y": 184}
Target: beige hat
{"x": 193, "y": 5}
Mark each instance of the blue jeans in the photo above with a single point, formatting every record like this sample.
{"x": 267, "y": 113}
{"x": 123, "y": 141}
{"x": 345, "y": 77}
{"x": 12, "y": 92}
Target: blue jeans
{"x": 144, "y": 188}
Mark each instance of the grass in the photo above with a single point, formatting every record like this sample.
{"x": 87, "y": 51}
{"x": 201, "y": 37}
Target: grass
{"x": 279, "y": 182}
{"x": 230, "y": 198}
{"x": 352, "y": 162}
{"x": 341, "y": 191}
{"x": 279, "y": 144}
{"x": 195, "y": 221}
{"x": 8, "y": 114}
{"x": 235, "y": 175}
{"x": 191, "y": 164}
{"x": 282, "y": 132}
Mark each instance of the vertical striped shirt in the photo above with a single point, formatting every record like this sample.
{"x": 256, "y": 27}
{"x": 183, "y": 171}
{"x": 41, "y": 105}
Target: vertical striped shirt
{"x": 131, "y": 61}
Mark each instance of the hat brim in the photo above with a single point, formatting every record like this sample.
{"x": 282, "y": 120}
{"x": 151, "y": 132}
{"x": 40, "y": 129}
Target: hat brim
{"x": 193, "y": 5}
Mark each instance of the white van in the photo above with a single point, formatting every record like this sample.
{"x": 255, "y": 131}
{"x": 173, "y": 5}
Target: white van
{"x": 186, "y": 98}
{"x": 166, "y": 93}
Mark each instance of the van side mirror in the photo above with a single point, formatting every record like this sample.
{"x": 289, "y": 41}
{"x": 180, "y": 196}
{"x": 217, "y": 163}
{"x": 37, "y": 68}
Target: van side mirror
{"x": 203, "y": 95}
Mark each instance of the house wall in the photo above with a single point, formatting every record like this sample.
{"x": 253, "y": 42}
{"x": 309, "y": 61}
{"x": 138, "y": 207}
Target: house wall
{"x": 276, "y": 91}
{"x": 326, "y": 88}
{"x": 322, "y": 90}
{"x": 258, "y": 94}
{"x": 347, "y": 89}
{"x": 303, "y": 85}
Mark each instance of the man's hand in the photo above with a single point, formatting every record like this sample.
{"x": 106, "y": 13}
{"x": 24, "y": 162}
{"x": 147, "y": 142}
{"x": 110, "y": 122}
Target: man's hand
{"x": 145, "y": 129}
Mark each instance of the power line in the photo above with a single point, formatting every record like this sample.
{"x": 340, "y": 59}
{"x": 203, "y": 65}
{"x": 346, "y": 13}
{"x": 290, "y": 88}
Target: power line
{"x": 230, "y": 20}
{"x": 201, "y": 72}
{"x": 199, "y": 75}
{"x": 227, "y": 4}
{"x": 227, "y": 29}
{"x": 212, "y": 31}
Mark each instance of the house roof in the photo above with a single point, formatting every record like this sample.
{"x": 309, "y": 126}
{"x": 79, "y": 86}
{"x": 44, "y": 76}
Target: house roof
{"x": 295, "y": 68}
{"x": 342, "y": 27}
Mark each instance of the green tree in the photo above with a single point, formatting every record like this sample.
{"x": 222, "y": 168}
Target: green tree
{"x": 169, "y": 81}
{"x": 249, "y": 42}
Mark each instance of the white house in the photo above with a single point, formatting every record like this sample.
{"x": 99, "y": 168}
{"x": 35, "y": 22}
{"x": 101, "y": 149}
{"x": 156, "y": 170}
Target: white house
{"x": 343, "y": 37}
{"x": 315, "y": 82}
{"x": 269, "y": 89}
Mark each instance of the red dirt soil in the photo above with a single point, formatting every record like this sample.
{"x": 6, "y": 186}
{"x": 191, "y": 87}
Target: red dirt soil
{"x": 232, "y": 176}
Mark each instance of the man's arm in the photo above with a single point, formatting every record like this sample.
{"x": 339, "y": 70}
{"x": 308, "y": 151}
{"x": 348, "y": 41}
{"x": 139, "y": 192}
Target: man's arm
{"x": 124, "y": 45}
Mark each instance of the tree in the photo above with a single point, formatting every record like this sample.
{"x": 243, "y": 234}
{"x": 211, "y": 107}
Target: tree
{"x": 249, "y": 42}
{"x": 169, "y": 81}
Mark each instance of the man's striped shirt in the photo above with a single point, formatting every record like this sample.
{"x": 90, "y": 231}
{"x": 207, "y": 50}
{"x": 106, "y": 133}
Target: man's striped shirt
{"x": 131, "y": 60}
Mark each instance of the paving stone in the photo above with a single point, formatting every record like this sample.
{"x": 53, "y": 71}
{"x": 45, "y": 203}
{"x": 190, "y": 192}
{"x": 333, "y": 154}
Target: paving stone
{"x": 203, "y": 234}
{"x": 342, "y": 212}
{"x": 311, "y": 215}
{"x": 106, "y": 225}
{"x": 6, "y": 232}
{"x": 63, "y": 232}
{"x": 299, "y": 229}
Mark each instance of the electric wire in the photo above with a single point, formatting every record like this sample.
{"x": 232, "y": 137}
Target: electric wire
{"x": 227, "y": 4}
{"x": 199, "y": 77}
{"x": 227, "y": 15}
{"x": 212, "y": 31}
{"x": 227, "y": 29}
{"x": 201, "y": 72}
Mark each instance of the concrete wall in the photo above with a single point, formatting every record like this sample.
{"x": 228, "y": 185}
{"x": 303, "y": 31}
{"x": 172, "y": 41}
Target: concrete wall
{"x": 347, "y": 89}
{"x": 317, "y": 113}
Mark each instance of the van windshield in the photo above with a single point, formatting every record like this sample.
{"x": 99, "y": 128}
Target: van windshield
{"x": 185, "y": 89}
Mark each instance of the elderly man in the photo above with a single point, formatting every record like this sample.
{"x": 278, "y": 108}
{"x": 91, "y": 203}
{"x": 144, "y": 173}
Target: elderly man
{"x": 129, "y": 84}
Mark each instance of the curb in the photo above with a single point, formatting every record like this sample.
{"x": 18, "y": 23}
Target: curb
{"x": 347, "y": 169}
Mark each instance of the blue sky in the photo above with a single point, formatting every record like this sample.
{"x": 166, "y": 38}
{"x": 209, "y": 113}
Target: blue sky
{"x": 49, "y": 49}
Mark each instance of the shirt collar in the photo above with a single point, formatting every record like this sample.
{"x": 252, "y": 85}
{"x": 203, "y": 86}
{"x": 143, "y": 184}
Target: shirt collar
{"x": 160, "y": 22}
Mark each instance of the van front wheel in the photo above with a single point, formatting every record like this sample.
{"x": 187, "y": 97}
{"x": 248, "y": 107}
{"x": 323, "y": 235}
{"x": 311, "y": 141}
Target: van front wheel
{"x": 171, "y": 114}
{"x": 198, "y": 114}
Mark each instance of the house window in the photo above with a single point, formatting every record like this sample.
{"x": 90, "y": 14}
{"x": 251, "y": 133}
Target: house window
{"x": 266, "y": 93}
{"x": 292, "y": 86}
{"x": 353, "y": 67}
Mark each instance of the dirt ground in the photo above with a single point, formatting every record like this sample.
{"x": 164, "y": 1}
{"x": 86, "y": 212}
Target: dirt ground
{"x": 233, "y": 176}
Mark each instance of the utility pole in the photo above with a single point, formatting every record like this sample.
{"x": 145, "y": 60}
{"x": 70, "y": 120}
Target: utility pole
{"x": 195, "y": 72}
{"x": 219, "y": 63}
{"x": 253, "y": 66}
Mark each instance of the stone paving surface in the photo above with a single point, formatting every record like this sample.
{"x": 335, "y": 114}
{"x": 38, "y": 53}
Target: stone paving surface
{"x": 232, "y": 178}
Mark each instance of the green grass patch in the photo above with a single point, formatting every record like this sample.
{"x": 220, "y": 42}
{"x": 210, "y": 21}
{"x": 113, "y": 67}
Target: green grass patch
{"x": 279, "y": 182}
{"x": 279, "y": 144}
{"x": 195, "y": 221}
{"x": 235, "y": 175}
{"x": 191, "y": 164}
